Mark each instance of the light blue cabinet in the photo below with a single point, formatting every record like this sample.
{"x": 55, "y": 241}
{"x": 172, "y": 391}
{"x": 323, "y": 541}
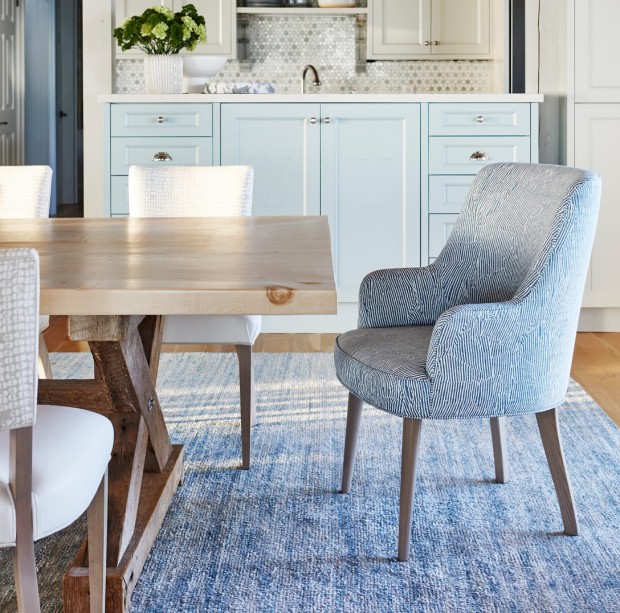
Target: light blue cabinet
{"x": 459, "y": 139}
{"x": 282, "y": 143}
{"x": 359, "y": 164}
{"x": 370, "y": 188}
{"x": 175, "y": 134}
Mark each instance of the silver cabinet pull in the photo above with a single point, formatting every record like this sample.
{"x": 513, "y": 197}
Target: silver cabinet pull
{"x": 312, "y": 119}
{"x": 328, "y": 120}
{"x": 427, "y": 43}
{"x": 160, "y": 119}
{"x": 162, "y": 156}
{"x": 480, "y": 119}
{"x": 435, "y": 42}
{"x": 479, "y": 156}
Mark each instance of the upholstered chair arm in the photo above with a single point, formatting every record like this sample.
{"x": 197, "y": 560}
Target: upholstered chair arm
{"x": 488, "y": 360}
{"x": 400, "y": 297}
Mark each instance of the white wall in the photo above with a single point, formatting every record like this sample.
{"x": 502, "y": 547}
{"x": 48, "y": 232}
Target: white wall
{"x": 97, "y": 19}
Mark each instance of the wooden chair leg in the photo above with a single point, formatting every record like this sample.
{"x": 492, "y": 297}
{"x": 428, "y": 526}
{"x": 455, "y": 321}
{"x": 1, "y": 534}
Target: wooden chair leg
{"x": 550, "y": 434}
{"x": 24, "y": 564}
{"x": 411, "y": 443}
{"x": 97, "y": 516}
{"x": 354, "y": 414}
{"x": 45, "y": 367}
{"x": 26, "y": 585}
{"x": 498, "y": 435}
{"x": 248, "y": 401}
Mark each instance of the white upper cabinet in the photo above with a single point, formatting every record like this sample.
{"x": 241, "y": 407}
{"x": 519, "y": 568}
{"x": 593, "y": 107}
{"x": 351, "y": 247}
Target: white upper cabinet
{"x": 220, "y": 18}
{"x": 429, "y": 29}
{"x": 596, "y": 78}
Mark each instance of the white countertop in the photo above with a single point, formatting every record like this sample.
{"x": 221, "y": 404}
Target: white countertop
{"x": 274, "y": 98}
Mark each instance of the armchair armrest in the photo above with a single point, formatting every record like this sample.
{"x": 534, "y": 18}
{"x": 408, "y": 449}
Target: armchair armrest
{"x": 400, "y": 297}
{"x": 497, "y": 358}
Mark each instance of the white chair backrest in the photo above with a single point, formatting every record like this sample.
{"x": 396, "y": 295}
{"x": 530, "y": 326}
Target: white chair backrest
{"x": 190, "y": 191}
{"x": 25, "y": 191}
{"x": 19, "y": 337}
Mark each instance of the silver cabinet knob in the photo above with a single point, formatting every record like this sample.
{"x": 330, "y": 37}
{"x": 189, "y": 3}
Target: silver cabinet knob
{"x": 162, "y": 156}
{"x": 312, "y": 119}
{"x": 160, "y": 119}
{"x": 480, "y": 119}
{"x": 435, "y": 42}
{"x": 328, "y": 120}
{"x": 479, "y": 156}
{"x": 427, "y": 43}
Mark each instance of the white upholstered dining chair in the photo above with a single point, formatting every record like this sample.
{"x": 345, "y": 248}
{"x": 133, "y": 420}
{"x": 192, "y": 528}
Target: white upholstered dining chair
{"x": 199, "y": 191}
{"x": 53, "y": 459}
{"x": 25, "y": 193}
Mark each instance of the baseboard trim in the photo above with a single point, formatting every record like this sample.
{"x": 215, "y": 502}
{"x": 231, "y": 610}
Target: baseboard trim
{"x": 599, "y": 320}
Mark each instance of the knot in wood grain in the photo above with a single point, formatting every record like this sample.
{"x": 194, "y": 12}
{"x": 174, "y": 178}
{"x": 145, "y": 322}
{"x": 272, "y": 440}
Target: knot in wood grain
{"x": 280, "y": 295}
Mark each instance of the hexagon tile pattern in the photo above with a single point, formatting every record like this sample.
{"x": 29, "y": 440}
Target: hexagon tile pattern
{"x": 280, "y": 46}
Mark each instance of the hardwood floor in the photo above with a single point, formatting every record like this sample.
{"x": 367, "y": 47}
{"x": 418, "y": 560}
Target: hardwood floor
{"x": 596, "y": 361}
{"x": 596, "y": 366}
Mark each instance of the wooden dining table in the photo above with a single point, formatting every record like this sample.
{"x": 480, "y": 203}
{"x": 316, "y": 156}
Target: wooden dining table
{"x": 116, "y": 279}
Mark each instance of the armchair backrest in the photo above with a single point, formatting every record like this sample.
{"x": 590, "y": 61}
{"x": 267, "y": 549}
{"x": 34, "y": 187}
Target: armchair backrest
{"x": 190, "y": 191}
{"x": 25, "y": 191}
{"x": 519, "y": 222}
{"x": 19, "y": 337}
{"x": 525, "y": 236}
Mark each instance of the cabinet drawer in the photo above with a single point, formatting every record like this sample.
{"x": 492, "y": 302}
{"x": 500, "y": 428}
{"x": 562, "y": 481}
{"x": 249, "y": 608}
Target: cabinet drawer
{"x": 439, "y": 228}
{"x": 454, "y": 155}
{"x": 447, "y": 194}
{"x": 469, "y": 119}
{"x": 182, "y": 151}
{"x": 161, "y": 119}
{"x": 119, "y": 196}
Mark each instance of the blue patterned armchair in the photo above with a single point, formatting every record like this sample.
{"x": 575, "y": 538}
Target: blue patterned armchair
{"x": 487, "y": 330}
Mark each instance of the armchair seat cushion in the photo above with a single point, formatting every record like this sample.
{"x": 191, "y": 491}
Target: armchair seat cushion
{"x": 212, "y": 329}
{"x": 386, "y": 367}
{"x": 67, "y": 465}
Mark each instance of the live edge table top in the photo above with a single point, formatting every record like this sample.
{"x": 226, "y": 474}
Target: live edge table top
{"x": 163, "y": 266}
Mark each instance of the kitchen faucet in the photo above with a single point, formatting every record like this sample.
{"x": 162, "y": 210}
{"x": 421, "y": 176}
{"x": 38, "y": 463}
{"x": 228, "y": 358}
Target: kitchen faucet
{"x": 316, "y": 81}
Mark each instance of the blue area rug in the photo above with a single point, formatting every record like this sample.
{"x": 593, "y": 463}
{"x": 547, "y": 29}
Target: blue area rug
{"x": 280, "y": 538}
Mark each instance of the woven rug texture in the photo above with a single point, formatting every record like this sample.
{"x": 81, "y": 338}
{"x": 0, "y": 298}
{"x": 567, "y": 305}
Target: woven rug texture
{"x": 281, "y": 538}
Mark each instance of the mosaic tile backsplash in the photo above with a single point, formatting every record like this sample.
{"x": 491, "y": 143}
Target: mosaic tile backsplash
{"x": 280, "y": 47}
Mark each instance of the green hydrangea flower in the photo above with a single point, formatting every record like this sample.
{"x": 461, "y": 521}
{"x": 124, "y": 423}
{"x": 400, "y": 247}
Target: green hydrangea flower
{"x": 159, "y": 30}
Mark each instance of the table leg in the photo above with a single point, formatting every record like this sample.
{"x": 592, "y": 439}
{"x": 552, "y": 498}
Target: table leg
{"x": 124, "y": 391}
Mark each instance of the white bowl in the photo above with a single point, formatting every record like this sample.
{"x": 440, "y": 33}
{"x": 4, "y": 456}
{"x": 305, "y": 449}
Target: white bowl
{"x": 195, "y": 66}
{"x": 197, "y": 69}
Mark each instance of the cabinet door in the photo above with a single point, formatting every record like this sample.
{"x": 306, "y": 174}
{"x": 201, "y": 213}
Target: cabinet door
{"x": 399, "y": 29}
{"x": 461, "y": 28}
{"x": 370, "y": 188}
{"x": 597, "y": 132}
{"x": 220, "y": 21}
{"x": 282, "y": 144}
{"x": 596, "y": 80}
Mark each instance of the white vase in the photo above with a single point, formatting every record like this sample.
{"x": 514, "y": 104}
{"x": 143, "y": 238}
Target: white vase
{"x": 163, "y": 74}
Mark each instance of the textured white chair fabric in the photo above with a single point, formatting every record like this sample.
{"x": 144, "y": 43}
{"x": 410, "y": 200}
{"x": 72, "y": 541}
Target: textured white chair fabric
{"x": 199, "y": 191}
{"x": 53, "y": 470}
{"x": 25, "y": 193}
